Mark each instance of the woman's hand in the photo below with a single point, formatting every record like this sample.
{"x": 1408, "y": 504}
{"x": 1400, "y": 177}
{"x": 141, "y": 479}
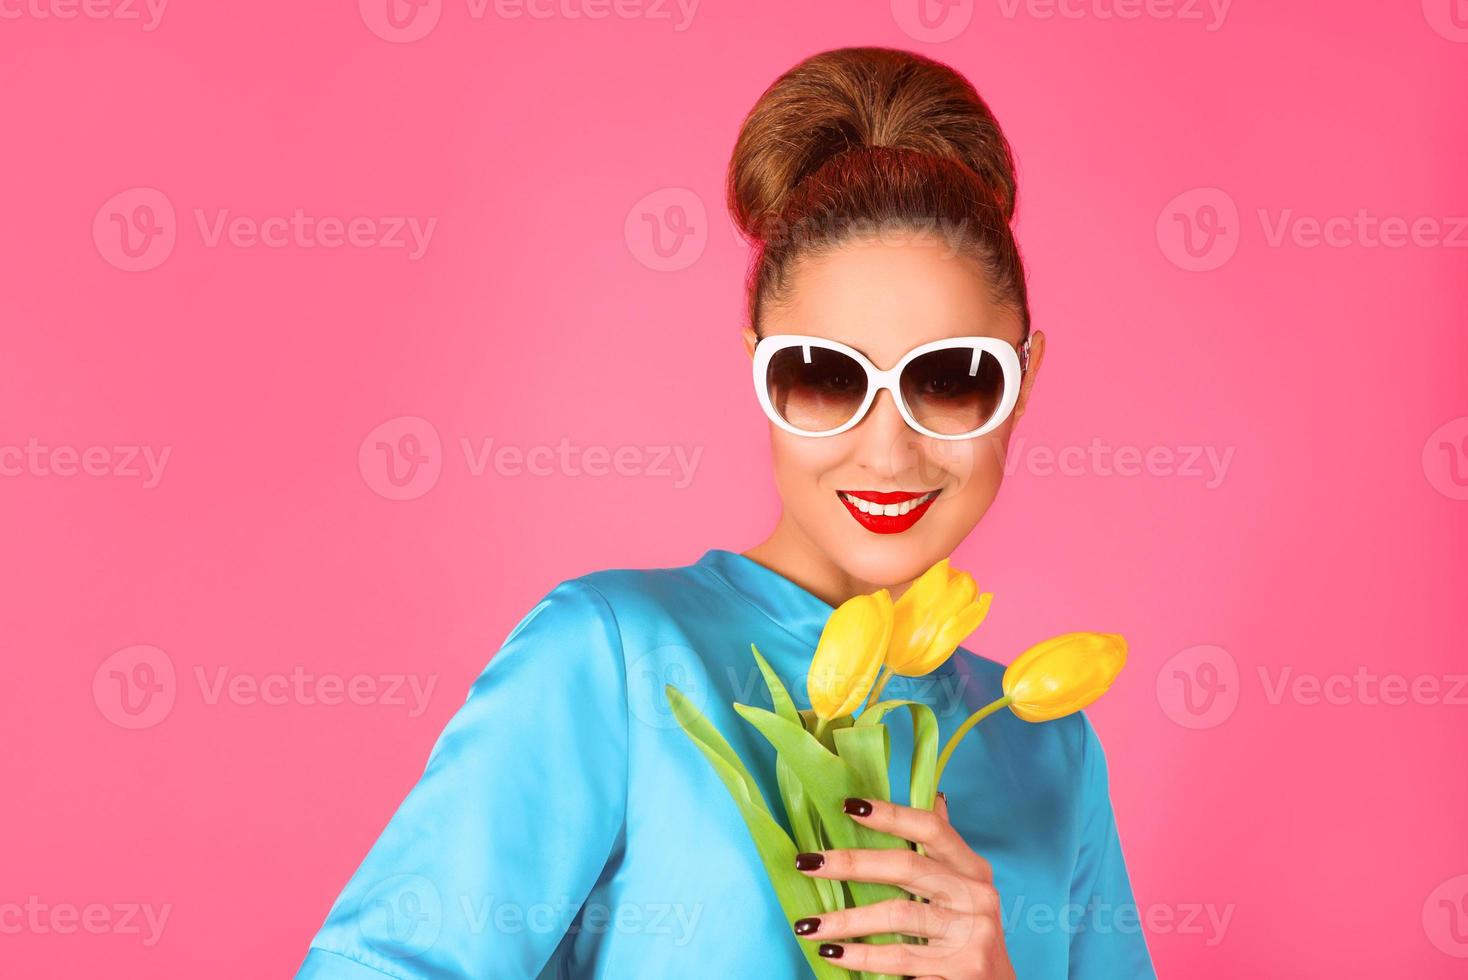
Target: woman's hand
{"x": 960, "y": 919}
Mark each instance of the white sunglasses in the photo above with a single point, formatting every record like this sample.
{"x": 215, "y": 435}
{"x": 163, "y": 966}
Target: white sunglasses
{"x": 956, "y": 388}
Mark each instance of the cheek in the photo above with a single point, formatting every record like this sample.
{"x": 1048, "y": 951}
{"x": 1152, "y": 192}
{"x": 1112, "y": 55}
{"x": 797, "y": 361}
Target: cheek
{"x": 970, "y": 470}
{"x": 800, "y": 463}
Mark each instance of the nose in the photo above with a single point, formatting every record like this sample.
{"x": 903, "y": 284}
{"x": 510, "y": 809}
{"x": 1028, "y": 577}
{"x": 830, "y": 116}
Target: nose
{"x": 886, "y": 446}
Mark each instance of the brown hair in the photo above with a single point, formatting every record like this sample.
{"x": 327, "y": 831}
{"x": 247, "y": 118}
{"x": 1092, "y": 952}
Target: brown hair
{"x": 872, "y": 136}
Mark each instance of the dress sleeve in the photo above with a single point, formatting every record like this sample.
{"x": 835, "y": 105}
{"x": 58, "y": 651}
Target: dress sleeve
{"x": 1107, "y": 942}
{"x": 487, "y": 860}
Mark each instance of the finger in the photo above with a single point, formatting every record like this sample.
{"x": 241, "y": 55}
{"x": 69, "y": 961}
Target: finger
{"x": 932, "y": 922}
{"x": 926, "y": 827}
{"x": 940, "y": 805}
{"x": 900, "y": 959}
{"x": 913, "y": 872}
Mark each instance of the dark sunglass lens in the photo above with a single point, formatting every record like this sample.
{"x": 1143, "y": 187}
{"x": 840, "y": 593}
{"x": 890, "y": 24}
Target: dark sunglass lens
{"x": 814, "y": 388}
{"x": 953, "y": 391}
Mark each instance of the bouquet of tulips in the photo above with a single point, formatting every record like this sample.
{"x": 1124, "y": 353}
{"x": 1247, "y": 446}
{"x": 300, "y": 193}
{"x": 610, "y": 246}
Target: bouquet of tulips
{"x": 838, "y": 748}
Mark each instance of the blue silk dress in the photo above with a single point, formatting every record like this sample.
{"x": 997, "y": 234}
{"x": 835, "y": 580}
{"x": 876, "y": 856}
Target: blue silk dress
{"x": 566, "y": 827}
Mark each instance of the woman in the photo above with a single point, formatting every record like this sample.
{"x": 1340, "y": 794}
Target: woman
{"x": 565, "y": 826}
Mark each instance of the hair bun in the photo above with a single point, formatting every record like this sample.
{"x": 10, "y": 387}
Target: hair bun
{"x": 858, "y": 99}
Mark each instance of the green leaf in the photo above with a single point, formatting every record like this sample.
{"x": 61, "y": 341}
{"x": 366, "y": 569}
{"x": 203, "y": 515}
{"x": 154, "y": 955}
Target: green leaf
{"x": 864, "y": 748}
{"x": 796, "y": 892}
{"x": 923, "y": 785}
{"x": 779, "y": 697}
{"x": 828, "y": 781}
{"x": 803, "y": 820}
{"x": 799, "y": 812}
{"x": 726, "y": 761}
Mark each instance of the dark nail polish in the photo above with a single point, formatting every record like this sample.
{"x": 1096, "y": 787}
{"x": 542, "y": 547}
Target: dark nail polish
{"x": 857, "y": 807}
{"x": 809, "y": 861}
{"x": 831, "y": 951}
{"x": 804, "y": 927}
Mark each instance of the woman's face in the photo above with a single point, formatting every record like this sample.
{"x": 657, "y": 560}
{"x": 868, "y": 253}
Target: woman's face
{"x": 885, "y": 297}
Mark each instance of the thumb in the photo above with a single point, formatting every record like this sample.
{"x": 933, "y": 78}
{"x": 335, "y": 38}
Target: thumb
{"x": 940, "y": 806}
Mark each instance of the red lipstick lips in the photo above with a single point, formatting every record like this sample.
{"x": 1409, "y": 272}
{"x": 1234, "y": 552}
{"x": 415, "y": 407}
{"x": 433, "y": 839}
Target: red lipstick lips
{"x": 883, "y": 508}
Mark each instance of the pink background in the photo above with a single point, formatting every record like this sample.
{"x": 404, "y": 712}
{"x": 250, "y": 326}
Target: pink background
{"x": 1327, "y": 829}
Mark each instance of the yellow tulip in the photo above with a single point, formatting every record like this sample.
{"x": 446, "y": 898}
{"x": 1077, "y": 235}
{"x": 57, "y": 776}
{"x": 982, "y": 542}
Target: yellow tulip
{"x": 1050, "y": 680}
{"x": 933, "y": 616}
{"x": 1063, "y": 674}
{"x": 849, "y": 654}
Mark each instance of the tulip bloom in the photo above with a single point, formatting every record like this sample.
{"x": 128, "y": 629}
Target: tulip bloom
{"x": 849, "y": 655}
{"x": 1063, "y": 674}
{"x": 933, "y": 616}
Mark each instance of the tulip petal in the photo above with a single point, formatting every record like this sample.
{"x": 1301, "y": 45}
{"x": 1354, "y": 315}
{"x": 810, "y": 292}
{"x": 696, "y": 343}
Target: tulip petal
{"x": 1063, "y": 674}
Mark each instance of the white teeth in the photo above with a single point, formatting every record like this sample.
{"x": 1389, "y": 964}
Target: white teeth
{"x": 888, "y": 510}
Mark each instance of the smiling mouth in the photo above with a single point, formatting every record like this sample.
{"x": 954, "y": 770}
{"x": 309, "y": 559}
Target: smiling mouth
{"x": 887, "y": 512}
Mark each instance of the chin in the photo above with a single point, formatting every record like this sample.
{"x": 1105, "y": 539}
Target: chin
{"x": 892, "y": 559}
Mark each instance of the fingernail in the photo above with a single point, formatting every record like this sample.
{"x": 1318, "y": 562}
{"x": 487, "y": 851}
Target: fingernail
{"x": 809, "y": 861}
{"x": 804, "y": 927}
{"x": 831, "y": 951}
{"x": 942, "y": 796}
{"x": 857, "y": 807}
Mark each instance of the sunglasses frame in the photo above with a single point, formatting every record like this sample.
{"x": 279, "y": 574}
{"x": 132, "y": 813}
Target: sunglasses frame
{"x": 1013, "y": 365}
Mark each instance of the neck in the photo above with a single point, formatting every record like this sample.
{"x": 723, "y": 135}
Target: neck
{"x": 791, "y": 553}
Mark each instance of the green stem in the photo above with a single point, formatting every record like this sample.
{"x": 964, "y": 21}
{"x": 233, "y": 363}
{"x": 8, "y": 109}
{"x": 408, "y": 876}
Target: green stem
{"x": 820, "y": 728}
{"x": 963, "y": 730}
{"x": 876, "y": 694}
